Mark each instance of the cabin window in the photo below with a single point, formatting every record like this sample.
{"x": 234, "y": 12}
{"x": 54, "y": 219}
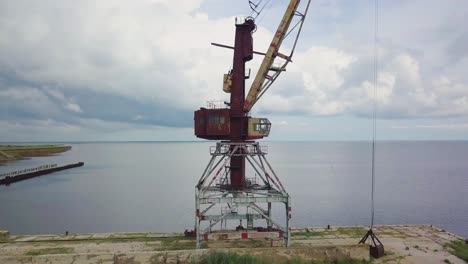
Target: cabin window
{"x": 263, "y": 126}
{"x": 212, "y": 120}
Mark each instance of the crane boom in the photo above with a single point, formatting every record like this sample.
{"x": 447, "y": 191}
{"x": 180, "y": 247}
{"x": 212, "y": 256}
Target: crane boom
{"x": 262, "y": 80}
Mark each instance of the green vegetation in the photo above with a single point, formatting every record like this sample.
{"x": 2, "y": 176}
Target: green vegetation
{"x": 233, "y": 258}
{"x": 23, "y": 147}
{"x": 447, "y": 261}
{"x": 17, "y": 152}
{"x": 49, "y": 251}
{"x": 175, "y": 243}
{"x": 309, "y": 233}
{"x": 250, "y": 243}
{"x": 344, "y": 261}
{"x": 459, "y": 248}
{"x": 230, "y": 258}
{"x": 165, "y": 241}
{"x": 392, "y": 233}
{"x": 354, "y": 232}
{"x": 7, "y": 156}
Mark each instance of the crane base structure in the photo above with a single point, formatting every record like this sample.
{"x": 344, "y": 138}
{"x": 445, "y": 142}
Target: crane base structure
{"x": 217, "y": 203}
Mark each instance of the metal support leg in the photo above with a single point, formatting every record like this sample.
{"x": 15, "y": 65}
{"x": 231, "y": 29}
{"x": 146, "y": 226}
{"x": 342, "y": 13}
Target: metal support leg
{"x": 269, "y": 216}
{"x": 252, "y": 202}
{"x": 197, "y": 220}
{"x": 288, "y": 218}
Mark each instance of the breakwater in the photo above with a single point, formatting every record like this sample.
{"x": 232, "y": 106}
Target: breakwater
{"x": 22, "y": 175}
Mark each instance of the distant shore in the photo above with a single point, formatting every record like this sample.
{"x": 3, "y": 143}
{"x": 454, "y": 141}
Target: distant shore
{"x": 9, "y": 153}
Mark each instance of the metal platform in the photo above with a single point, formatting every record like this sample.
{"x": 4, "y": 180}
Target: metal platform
{"x": 217, "y": 202}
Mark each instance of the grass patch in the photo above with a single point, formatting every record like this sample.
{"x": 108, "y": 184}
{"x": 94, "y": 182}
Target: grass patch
{"x": 459, "y": 248}
{"x": 250, "y": 243}
{"x": 344, "y": 261}
{"x": 352, "y": 231}
{"x": 308, "y": 234}
{"x": 136, "y": 238}
{"x": 22, "y": 147}
{"x": 392, "y": 234}
{"x": 233, "y": 258}
{"x": 50, "y": 251}
{"x": 175, "y": 244}
{"x": 230, "y": 258}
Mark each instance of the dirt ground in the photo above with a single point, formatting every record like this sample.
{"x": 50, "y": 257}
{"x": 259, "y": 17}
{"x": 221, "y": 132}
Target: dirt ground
{"x": 403, "y": 244}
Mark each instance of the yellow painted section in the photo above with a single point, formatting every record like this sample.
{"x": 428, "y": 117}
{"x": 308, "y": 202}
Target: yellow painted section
{"x": 256, "y": 87}
{"x": 258, "y": 127}
{"x": 227, "y": 83}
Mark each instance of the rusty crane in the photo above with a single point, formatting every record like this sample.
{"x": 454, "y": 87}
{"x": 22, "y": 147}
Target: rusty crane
{"x": 225, "y": 193}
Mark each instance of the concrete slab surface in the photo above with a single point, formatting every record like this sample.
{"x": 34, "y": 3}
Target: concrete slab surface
{"x": 403, "y": 244}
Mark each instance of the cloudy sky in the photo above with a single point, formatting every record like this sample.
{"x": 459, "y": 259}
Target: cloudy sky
{"x": 136, "y": 70}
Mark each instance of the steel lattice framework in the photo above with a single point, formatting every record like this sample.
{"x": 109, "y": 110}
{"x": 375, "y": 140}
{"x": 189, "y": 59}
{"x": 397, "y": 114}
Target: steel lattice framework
{"x": 253, "y": 202}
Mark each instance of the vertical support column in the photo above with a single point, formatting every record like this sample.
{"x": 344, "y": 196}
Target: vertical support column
{"x": 288, "y": 218}
{"x": 250, "y": 219}
{"x": 243, "y": 52}
{"x": 269, "y": 223}
{"x": 237, "y": 167}
{"x": 197, "y": 219}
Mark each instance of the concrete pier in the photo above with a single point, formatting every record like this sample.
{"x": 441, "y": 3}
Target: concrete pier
{"x": 403, "y": 244}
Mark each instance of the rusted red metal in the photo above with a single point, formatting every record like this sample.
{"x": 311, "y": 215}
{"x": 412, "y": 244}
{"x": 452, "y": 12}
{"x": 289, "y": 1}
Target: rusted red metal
{"x": 213, "y": 124}
{"x": 231, "y": 123}
{"x": 190, "y": 233}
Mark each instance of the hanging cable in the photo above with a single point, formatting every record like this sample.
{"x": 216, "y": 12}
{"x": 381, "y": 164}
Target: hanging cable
{"x": 374, "y": 117}
{"x": 269, "y": 3}
{"x": 376, "y": 248}
{"x": 253, "y": 7}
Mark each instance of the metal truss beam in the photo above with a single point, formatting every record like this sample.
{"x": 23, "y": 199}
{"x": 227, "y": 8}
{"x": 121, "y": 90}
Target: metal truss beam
{"x": 217, "y": 203}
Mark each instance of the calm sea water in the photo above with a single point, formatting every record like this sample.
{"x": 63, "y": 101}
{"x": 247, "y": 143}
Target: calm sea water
{"x": 149, "y": 186}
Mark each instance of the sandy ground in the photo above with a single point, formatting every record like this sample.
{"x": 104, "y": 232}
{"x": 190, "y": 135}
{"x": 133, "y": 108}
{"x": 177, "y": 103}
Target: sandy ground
{"x": 403, "y": 244}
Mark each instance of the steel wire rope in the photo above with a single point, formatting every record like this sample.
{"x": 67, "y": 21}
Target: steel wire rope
{"x": 253, "y": 6}
{"x": 266, "y": 11}
{"x": 374, "y": 115}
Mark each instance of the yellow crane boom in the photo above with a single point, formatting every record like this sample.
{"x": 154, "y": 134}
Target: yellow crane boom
{"x": 263, "y": 80}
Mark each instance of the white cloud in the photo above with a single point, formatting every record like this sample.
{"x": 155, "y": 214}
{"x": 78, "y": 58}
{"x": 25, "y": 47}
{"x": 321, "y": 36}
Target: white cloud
{"x": 454, "y": 126}
{"x": 73, "y": 107}
{"x": 402, "y": 91}
{"x": 67, "y": 103}
{"x": 157, "y": 52}
{"x": 138, "y": 49}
